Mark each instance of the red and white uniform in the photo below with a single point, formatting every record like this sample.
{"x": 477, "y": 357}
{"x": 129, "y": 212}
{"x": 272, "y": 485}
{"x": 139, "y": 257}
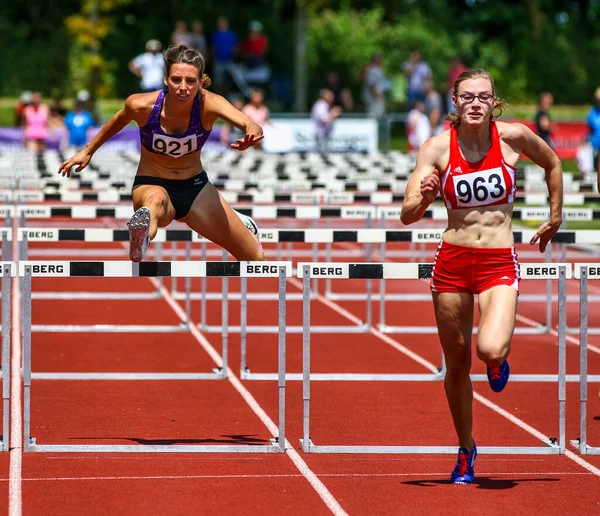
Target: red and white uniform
{"x": 488, "y": 182}
{"x": 464, "y": 185}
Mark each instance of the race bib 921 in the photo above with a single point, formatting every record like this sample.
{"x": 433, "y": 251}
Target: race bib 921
{"x": 480, "y": 188}
{"x": 174, "y": 147}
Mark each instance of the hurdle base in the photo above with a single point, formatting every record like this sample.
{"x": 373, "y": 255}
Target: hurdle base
{"x": 346, "y": 377}
{"x": 97, "y": 296}
{"x": 519, "y": 330}
{"x": 216, "y": 375}
{"x": 407, "y": 377}
{"x": 361, "y": 328}
{"x": 108, "y": 328}
{"x": 32, "y": 446}
{"x": 551, "y": 449}
{"x": 587, "y": 449}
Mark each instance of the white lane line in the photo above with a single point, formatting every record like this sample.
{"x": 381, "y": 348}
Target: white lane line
{"x": 297, "y": 475}
{"x": 15, "y": 499}
{"x": 333, "y": 505}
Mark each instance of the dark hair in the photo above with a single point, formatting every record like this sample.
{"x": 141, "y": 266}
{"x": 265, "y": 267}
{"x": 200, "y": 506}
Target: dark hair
{"x": 475, "y": 73}
{"x": 184, "y": 55}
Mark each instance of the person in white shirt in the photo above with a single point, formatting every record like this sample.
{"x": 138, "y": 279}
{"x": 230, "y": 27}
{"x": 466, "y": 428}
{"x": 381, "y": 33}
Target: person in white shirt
{"x": 418, "y": 128}
{"x": 150, "y": 67}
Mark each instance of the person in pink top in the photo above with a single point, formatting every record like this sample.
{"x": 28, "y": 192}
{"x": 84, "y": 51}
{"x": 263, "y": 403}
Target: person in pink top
{"x": 35, "y": 124}
{"x": 256, "y": 110}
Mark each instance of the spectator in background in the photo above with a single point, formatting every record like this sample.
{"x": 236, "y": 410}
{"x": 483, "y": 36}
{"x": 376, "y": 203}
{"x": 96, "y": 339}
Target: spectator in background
{"x": 230, "y": 133}
{"x": 418, "y": 72}
{"x": 254, "y": 47}
{"x": 434, "y": 108}
{"x": 199, "y": 39}
{"x": 342, "y": 96}
{"x": 456, "y": 68}
{"x": 257, "y": 111}
{"x": 375, "y": 86}
{"x": 78, "y": 122}
{"x": 35, "y": 124}
{"x": 543, "y": 122}
{"x": 224, "y": 42}
{"x": 593, "y": 122}
{"x": 150, "y": 67}
{"x": 24, "y": 101}
{"x": 418, "y": 127}
{"x": 181, "y": 36}
{"x": 323, "y": 114}
{"x": 57, "y": 132}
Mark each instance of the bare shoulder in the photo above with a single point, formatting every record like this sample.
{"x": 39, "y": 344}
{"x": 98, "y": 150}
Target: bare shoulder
{"x": 141, "y": 102}
{"x": 512, "y": 132}
{"x": 213, "y": 101}
{"x": 434, "y": 148}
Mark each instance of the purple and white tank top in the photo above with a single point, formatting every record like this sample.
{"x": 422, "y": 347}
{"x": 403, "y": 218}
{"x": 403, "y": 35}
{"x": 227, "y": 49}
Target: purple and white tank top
{"x": 154, "y": 139}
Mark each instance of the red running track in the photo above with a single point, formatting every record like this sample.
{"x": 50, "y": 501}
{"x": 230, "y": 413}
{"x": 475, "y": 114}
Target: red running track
{"x": 343, "y": 413}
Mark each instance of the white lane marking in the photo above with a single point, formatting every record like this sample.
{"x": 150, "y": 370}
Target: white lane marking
{"x": 333, "y": 505}
{"x": 297, "y": 475}
{"x": 15, "y": 499}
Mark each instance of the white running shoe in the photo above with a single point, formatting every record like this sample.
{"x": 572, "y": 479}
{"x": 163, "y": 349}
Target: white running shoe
{"x": 248, "y": 222}
{"x": 139, "y": 234}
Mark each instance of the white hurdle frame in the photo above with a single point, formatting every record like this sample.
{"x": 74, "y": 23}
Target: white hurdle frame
{"x": 122, "y": 269}
{"x": 584, "y": 272}
{"x": 422, "y": 271}
{"x": 8, "y": 270}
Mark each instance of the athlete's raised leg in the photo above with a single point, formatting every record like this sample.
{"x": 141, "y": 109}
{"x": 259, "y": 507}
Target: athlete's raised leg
{"x": 498, "y": 310}
{"x": 153, "y": 209}
{"x": 213, "y": 218}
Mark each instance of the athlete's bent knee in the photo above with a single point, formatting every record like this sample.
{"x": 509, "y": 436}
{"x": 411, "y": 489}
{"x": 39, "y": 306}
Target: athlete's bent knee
{"x": 492, "y": 355}
{"x": 156, "y": 202}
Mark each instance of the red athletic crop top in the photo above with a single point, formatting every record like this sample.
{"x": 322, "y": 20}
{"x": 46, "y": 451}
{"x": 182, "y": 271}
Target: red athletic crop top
{"x": 488, "y": 182}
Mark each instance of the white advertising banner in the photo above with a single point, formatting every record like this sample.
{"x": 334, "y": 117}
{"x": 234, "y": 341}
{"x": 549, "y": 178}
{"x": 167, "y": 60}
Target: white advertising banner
{"x": 298, "y": 134}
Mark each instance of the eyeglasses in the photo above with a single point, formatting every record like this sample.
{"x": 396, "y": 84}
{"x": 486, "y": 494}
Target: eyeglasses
{"x": 484, "y": 98}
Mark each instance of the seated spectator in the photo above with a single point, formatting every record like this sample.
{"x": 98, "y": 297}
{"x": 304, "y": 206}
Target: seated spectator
{"x": 254, "y": 47}
{"x": 342, "y": 96}
{"x": 199, "y": 39}
{"x": 78, "y": 122}
{"x": 181, "y": 36}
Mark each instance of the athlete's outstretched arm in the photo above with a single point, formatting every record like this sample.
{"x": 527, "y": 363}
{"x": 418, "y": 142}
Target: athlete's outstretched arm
{"x": 542, "y": 155}
{"x": 219, "y": 107}
{"x": 423, "y": 184}
{"x": 115, "y": 123}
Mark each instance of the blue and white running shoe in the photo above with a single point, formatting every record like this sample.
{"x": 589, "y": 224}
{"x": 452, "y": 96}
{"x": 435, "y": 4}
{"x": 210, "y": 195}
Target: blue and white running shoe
{"x": 498, "y": 376}
{"x": 463, "y": 471}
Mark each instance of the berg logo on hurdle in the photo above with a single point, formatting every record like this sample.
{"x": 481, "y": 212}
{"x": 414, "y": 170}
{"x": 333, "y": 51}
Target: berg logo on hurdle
{"x": 262, "y": 269}
{"x": 327, "y": 271}
{"x": 541, "y": 271}
{"x": 47, "y": 269}
{"x": 428, "y": 236}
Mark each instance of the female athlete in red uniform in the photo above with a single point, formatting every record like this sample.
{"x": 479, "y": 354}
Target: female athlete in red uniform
{"x": 472, "y": 165}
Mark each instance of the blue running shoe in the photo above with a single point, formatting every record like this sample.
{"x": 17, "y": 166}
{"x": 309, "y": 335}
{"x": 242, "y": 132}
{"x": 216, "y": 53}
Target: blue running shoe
{"x": 498, "y": 376}
{"x": 463, "y": 471}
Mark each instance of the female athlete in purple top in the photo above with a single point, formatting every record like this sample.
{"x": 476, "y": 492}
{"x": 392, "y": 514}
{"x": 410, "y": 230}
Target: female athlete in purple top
{"x": 171, "y": 182}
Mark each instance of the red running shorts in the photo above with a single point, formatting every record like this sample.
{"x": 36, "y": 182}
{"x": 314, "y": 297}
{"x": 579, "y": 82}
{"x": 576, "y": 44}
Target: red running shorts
{"x": 459, "y": 268}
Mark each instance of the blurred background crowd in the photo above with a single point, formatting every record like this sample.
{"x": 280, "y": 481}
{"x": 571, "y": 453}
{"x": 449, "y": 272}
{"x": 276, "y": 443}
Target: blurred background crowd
{"x": 386, "y": 60}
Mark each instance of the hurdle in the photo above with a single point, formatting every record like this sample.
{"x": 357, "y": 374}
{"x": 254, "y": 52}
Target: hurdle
{"x": 8, "y": 270}
{"x": 338, "y": 270}
{"x": 122, "y": 269}
{"x": 6, "y": 237}
{"x": 584, "y": 272}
